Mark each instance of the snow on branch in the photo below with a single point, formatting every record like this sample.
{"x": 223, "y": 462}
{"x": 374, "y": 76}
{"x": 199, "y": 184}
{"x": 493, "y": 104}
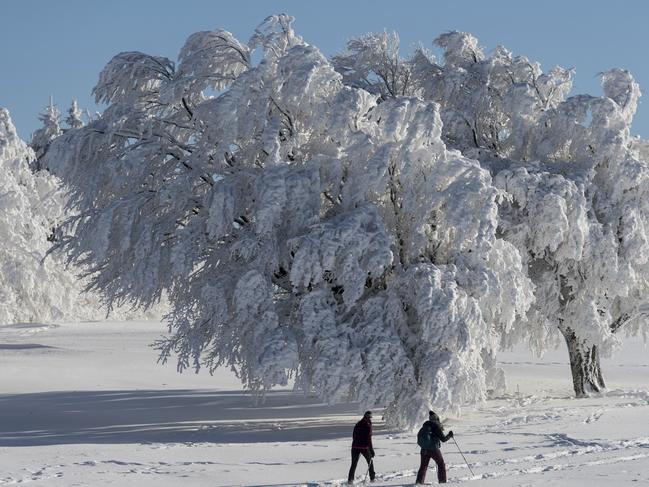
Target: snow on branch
{"x": 131, "y": 74}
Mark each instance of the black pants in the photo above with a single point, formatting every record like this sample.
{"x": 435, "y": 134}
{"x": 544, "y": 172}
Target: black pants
{"x": 436, "y": 455}
{"x": 355, "y": 454}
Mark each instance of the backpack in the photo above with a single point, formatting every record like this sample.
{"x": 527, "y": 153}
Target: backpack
{"x": 423, "y": 437}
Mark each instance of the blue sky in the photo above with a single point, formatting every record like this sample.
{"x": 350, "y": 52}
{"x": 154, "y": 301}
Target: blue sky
{"x": 59, "y": 47}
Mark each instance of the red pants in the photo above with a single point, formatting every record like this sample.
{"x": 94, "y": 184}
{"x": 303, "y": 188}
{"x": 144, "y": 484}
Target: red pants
{"x": 436, "y": 455}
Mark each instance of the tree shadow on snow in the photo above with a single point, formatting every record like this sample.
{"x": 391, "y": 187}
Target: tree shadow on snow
{"x": 167, "y": 416}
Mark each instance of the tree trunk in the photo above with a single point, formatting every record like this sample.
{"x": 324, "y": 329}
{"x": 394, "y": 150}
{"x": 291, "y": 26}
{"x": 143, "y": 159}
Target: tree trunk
{"x": 584, "y": 364}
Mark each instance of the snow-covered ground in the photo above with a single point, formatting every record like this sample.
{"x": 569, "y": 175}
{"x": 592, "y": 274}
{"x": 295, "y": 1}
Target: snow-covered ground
{"x": 85, "y": 404}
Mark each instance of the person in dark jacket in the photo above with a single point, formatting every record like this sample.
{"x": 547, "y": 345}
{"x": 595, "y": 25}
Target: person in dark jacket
{"x": 429, "y": 438}
{"x": 362, "y": 445}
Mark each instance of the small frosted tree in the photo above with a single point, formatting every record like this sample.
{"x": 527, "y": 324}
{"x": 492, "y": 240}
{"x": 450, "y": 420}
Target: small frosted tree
{"x": 299, "y": 226}
{"x": 73, "y": 120}
{"x": 51, "y": 129}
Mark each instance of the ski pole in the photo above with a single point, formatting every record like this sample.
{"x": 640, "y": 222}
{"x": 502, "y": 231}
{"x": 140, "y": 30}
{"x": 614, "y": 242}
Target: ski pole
{"x": 467, "y": 463}
{"x": 369, "y": 465}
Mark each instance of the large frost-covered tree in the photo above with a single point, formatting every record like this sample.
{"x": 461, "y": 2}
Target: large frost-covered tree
{"x": 301, "y": 227}
{"x": 377, "y": 232}
{"x": 580, "y": 217}
{"x": 575, "y": 183}
{"x": 32, "y": 288}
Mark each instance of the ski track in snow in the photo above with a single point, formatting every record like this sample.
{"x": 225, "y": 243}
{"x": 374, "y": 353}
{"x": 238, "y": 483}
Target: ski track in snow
{"x": 579, "y": 455}
{"x": 576, "y": 454}
{"x": 623, "y": 452}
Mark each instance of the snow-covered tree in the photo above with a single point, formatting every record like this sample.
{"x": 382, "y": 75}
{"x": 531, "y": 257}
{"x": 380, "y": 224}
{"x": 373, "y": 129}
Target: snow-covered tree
{"x": 581, "y": 215}
{"x": 575, "y": 185}
{"x": 32, "y": 288}
{"x": 51, "y": 129}
{"x": 299, "y": 226}
{"x": 73, "y": 120}
{"x": 374, "y": 227}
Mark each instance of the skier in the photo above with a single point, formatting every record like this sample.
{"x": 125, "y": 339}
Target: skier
{"x": 429, "y": 437}
{"x": 362, "y": 445}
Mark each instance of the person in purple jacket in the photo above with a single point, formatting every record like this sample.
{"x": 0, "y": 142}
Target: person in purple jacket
{"x": 362, "y": 445}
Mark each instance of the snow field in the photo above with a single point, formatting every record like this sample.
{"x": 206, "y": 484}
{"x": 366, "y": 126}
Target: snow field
{"x": 86, "y": 405}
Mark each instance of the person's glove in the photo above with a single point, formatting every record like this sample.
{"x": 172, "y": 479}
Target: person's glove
{"x": 450, "y": 434}
{"x": 371, "y": 452}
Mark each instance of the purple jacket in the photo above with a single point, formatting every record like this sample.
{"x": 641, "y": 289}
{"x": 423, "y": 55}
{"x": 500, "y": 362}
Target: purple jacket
{"x": 362, "y": 436}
